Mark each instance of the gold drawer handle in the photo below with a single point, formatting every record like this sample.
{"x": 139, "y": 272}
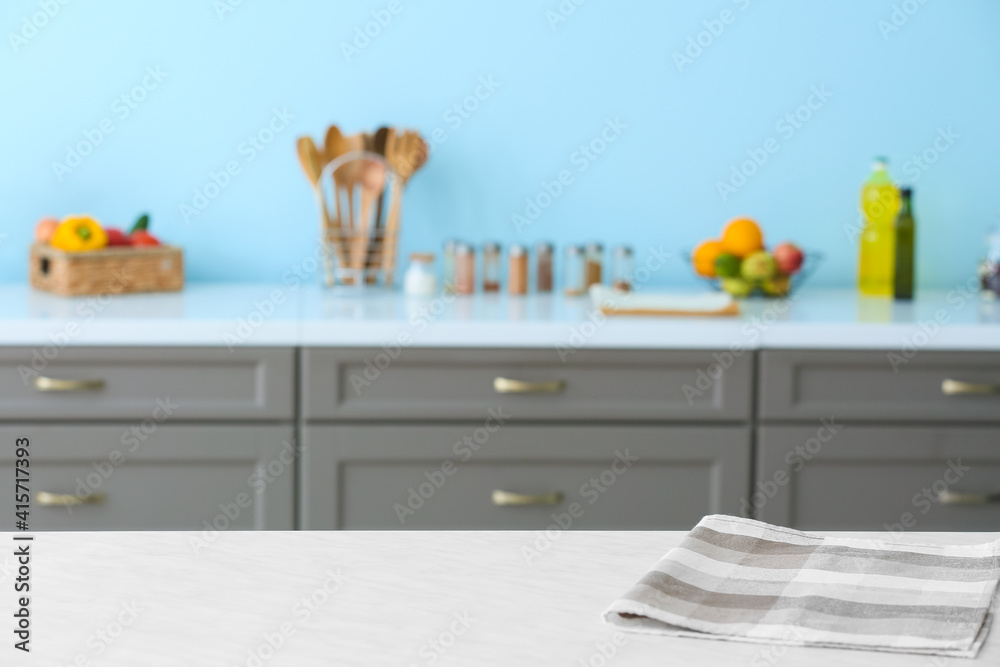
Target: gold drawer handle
{"x": 957, "y": 388}
{"x": 508, "y": 386}
{"x": 46, "y": 499}
{"x": 952, "y": 498}
{"x": 43, "y": 383}
{"x": 504, "y": 498}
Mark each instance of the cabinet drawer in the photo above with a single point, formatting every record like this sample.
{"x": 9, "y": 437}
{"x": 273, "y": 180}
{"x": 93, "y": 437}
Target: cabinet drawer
{"x": 82, "y": 383}
{"x": 878, "y": 387}
{"x": 879, "y": 478}
{"x": 177, "y": 478}
{"x": 412, "y": 476}
{"x": 425, "y": 384}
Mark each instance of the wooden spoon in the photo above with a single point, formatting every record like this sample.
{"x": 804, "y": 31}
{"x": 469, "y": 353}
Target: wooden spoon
{"x": 407, "y": 155}
{"x": 311, "y": 162}
{"x": 350, "y": 175}
{"x": 383, "y": 136}
{"x": 336, "y": 145}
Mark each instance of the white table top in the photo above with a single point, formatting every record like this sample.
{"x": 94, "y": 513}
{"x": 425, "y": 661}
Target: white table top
{"x": 288, "y": 315}
{"x": 399, "y": 594}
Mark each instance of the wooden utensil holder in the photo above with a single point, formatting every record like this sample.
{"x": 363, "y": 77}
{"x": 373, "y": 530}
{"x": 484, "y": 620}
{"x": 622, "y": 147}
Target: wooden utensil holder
{"x": 112, "y": 270}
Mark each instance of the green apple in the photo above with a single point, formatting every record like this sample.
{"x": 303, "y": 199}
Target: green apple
{"x": 737, "y": 286}
{"x": 758, "y": 266}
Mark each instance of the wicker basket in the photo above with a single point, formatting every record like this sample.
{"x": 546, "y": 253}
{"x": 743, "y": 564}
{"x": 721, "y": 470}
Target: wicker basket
{"x": 112, "y": 270}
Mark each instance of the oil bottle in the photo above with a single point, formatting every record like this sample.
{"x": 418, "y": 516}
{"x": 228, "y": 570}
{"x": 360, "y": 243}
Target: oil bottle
{"x": 905, "y": 232}
{"x": 879, "y": 204}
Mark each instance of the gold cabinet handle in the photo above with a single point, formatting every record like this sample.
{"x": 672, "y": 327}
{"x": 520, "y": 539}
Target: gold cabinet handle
{"x": 503, "y": 498}
{"x": 46, "y": 499}
{"x": 43, "y": 383}
{"x": 957, "y": 388}
{"x": 508, "y": 386}
{"x": 952, "y": 498}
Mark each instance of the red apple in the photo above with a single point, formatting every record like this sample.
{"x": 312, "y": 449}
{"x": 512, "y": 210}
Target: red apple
{"x": 788, "y": 258}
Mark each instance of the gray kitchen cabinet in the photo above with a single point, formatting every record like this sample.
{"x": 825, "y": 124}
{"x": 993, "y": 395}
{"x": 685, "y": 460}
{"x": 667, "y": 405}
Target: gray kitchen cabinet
{"x": 171, "y": 478}
{"x": 606, "y": 385}
{"x": 102, "y": 383}
{"x": 879, "y": 386}
{"x": 462, "y": 476}
{"x": 884, "y": 478}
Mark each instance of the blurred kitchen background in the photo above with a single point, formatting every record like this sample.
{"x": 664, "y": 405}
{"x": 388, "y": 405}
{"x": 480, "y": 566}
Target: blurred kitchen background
{"x": 505, "y": 94}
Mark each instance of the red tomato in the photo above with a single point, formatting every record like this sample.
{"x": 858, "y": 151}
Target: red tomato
{"x": 116, "y": 237}
{"x": 143, "y": 238}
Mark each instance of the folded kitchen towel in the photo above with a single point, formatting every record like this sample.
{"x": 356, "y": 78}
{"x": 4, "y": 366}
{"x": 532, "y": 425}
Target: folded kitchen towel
{"x": 743, "y": 580}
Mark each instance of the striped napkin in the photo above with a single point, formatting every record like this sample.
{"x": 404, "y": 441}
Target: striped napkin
{"x": 743, "y": 580}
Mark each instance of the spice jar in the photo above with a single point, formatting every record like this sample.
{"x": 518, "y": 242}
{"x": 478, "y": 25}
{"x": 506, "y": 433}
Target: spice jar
{"x": 594, "y": 259}
{"x": 465, "y": 269}
{"x": 491, "y": 267}
{"x": 989, "y": 267}
{"x": 621, "y": 268}
{"x": 543, "y": 268}
{"x": 419, "y": 279}
{"x": 448, "y": 266}
{"x": 574, "y": 279}
{"x": 517, "y": 270}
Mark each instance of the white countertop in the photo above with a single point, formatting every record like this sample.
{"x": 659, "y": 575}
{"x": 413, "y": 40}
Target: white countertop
{"x": 396, "y": 595}
{"x": 283, "y": 315}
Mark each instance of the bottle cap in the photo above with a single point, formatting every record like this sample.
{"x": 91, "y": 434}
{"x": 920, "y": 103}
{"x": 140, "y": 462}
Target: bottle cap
{"x": 623, "y": 251}
{"x": 544, "y": 248}
{"x": 906, "y": 191}
{"x": 595, "y": 248}
{"x": 574, "y": 250}
{"x": 517, "y": 250}
{"x": 491, "y": 246}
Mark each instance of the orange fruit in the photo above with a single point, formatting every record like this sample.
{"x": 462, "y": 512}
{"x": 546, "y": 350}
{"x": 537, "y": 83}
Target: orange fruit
{"x": 742, "y": 237}
{"x": 704, "y": 256}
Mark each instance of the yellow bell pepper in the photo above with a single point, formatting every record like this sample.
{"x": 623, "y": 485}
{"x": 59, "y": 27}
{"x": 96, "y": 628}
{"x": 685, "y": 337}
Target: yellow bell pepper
{"x": 79, "y": 233}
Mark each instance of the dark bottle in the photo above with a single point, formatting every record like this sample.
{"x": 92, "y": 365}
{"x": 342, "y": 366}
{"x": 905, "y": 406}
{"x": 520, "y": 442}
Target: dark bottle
{"x": 904, "y": 246}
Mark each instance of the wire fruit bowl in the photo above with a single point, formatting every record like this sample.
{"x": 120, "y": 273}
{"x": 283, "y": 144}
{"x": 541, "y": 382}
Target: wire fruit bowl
{"x": 772, "y": 288}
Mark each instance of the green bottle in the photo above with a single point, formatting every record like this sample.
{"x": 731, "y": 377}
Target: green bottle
{"x": 905, "y": 228}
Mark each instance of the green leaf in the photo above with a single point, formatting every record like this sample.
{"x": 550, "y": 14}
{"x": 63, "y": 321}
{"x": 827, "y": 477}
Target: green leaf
{"x": 141, "y": 224}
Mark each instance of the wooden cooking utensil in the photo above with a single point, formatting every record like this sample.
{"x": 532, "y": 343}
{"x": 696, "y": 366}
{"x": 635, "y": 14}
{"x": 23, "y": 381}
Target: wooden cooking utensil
{"x": 336, "y": 145}
{"x": 312, "y": 165}
{"x": 349, "y": 176}
{"x": 406, "y": 155}
{"x": 375, "y": 243}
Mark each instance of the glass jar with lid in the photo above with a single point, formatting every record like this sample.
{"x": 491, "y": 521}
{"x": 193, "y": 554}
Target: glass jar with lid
{"x": 419, "y": 279}
{"x": 491, "y": 267}
{"x": 543, "y": 268}
{"x": 622, "y": 268}
{"x": 574, "y": 277}
{"x": 594, "y": 263}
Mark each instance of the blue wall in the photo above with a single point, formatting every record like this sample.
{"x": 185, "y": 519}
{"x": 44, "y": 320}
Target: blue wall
{"x": 686, "y": 123}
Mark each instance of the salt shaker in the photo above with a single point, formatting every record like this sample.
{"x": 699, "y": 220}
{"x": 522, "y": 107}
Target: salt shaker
{"x": 419, "y": 279}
